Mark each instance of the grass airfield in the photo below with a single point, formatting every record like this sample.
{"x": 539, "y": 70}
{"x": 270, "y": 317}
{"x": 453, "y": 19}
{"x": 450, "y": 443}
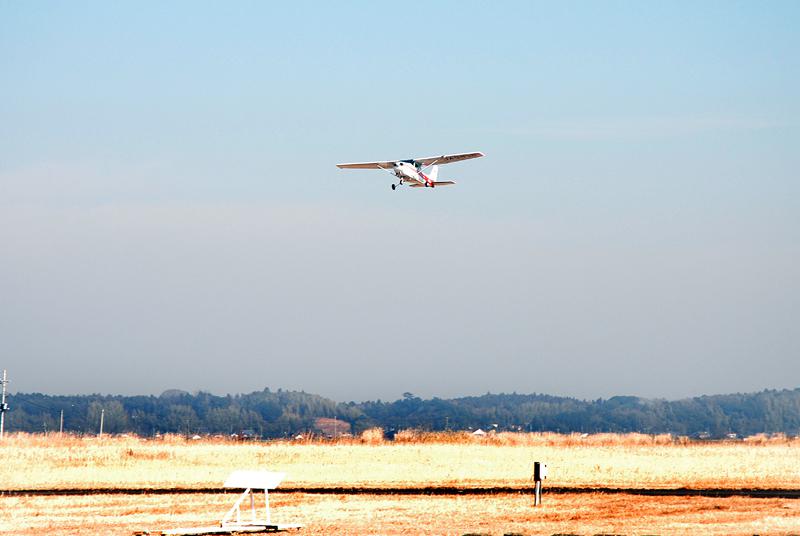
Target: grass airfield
{"x": 367, "y": 463}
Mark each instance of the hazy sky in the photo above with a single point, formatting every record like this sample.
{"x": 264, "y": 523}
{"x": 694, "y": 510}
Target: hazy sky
{"x": 171, "y": 216}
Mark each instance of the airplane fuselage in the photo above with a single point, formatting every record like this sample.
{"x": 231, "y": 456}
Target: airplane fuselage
{"x": 408, "y": 172}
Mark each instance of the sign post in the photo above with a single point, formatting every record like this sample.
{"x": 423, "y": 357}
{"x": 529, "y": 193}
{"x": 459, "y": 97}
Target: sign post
{"x": 3, "y": 405}
{"x": 539, "y": 474}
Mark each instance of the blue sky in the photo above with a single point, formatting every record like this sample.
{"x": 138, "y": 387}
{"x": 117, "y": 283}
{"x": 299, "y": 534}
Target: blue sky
{"x": 169, "y": 204}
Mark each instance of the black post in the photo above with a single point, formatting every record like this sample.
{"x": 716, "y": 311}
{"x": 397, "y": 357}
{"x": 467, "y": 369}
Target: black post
{"x": 539, "y": 474}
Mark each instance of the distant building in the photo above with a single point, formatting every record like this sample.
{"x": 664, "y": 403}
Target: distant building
{"x": 248, "y": 435}
{"x": 330, "y": 427}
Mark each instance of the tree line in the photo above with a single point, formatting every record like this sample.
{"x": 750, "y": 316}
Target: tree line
{"x": 281, "y": 413}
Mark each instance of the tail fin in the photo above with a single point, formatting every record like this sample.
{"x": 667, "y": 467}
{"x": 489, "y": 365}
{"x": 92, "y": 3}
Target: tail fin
{"x": 434, "y": 173}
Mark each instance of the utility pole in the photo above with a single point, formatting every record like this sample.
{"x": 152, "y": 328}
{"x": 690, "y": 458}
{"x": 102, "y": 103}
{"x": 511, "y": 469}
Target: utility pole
{"x": 102, "y": 417}
{"x": 61, "y": 423}
{"x": 3, "y": 405}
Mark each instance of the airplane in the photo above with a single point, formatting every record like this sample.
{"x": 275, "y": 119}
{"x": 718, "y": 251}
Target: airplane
{"x": 412, "y": 171}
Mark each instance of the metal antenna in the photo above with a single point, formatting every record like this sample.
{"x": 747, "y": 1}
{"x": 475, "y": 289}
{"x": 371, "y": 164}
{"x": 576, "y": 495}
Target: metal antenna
{"x": 3, "y": 405}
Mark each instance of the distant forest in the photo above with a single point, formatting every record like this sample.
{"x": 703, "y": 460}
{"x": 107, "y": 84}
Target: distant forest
{"x": 275, "y": 414}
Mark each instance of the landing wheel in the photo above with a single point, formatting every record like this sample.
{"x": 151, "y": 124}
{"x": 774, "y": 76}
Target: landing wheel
{"x": 394, "y": 186}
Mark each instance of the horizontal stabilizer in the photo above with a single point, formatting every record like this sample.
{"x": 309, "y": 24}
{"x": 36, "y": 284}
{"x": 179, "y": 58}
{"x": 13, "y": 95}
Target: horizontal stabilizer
{"x": 437, "y": 183}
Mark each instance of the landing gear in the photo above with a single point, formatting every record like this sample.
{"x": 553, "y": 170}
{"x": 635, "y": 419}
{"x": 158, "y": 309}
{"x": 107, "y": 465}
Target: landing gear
{"x": 394, "y": 187}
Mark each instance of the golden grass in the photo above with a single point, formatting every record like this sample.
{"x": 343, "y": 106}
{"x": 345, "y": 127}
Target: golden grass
{"x": 402, "y": 515}
{"x": 536, "y": 439}
{"x": 634, "y": 460}
{"x": 415, "y": 459}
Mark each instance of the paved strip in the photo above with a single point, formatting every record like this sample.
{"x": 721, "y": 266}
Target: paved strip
{"x": 427, "y": 490}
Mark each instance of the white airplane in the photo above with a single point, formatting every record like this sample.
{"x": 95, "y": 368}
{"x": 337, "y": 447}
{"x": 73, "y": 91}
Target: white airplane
{"x": 412, "y": 171}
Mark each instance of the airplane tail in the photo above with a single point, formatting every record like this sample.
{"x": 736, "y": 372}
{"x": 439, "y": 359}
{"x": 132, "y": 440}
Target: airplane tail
{"x": 434, "y": 175}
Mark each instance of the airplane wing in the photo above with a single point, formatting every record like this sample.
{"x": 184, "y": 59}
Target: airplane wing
{"x": 447, "y": 158}
{"x": 368, "y": 165}
{"x": 444, "y": 159}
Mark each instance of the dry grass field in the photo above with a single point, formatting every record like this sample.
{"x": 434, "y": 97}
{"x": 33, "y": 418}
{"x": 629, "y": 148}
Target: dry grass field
{"x": 632, "y": 461}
